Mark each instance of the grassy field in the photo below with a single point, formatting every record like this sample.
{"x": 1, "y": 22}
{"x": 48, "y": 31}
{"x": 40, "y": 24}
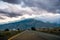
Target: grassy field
{"x": 55, "y": 31}
{"x": 8, "y": 34}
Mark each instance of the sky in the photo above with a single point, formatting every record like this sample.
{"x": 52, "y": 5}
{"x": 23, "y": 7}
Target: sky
{"x": 15, "y": 10}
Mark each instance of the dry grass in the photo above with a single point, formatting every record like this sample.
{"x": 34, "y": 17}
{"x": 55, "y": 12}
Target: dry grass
{"x": 8, "y": 34}
{"x": 55, "y": 31}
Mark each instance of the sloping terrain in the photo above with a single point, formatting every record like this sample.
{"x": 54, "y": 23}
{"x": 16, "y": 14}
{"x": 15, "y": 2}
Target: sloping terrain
{"x": 27, "y": 23}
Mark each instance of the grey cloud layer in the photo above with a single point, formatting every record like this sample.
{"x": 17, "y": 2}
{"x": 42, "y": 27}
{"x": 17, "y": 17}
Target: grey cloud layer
{"x": 2, "y": 18}
{"x": 13, "y": 1}
{"x": 49, "y": 5}
{"x": 12, "y": 14}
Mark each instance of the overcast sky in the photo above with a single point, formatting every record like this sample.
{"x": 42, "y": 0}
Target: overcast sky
{"x": 14, "y": 10}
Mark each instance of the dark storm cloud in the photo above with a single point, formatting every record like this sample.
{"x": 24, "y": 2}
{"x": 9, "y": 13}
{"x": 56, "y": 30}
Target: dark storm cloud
{"x": 14, "y": 8}
{"x": 12, "y": 14}
{"x": 12, "y": 1}
{"x": 49, "y": 5}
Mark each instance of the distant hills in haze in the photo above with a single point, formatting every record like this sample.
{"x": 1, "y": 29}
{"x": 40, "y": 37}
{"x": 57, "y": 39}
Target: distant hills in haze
{"x": 28, "y": 23}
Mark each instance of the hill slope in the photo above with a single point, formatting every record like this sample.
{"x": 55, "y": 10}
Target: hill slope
{"x": 27, "y": 23}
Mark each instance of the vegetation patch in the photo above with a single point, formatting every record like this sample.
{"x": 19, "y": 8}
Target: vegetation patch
{"x": 8, "y": 33}
{"x": 55, "y": 31}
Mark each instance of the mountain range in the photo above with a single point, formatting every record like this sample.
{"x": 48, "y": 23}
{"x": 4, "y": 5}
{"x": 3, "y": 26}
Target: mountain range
{"x": 28, "y": 23}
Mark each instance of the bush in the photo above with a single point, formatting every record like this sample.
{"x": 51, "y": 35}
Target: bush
{"x": 33, "y": 28}
{"x": 18, "y": 29}
{"x": 6, "y": 29}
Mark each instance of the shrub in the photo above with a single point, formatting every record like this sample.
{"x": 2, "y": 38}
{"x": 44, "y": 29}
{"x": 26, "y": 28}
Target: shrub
{"x": 33, "y": 28}
{"x": 6, "y": 29}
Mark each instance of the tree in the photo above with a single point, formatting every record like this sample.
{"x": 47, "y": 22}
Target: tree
{"x": 33, "y": 28}
{"x": 18, "y": 29}
{"x": 6, "y": 29}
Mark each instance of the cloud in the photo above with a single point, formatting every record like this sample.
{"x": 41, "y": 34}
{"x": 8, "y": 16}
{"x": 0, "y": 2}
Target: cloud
{"x": 43, "y": 17}
{"x": 12, "y": 1}
{"x": 49, "y": 5}
{"x": 2, "y": 18}
{"x": 49, "y": 17}
{"x": 14, "y": 10}
{"x": 13, "y": 19}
